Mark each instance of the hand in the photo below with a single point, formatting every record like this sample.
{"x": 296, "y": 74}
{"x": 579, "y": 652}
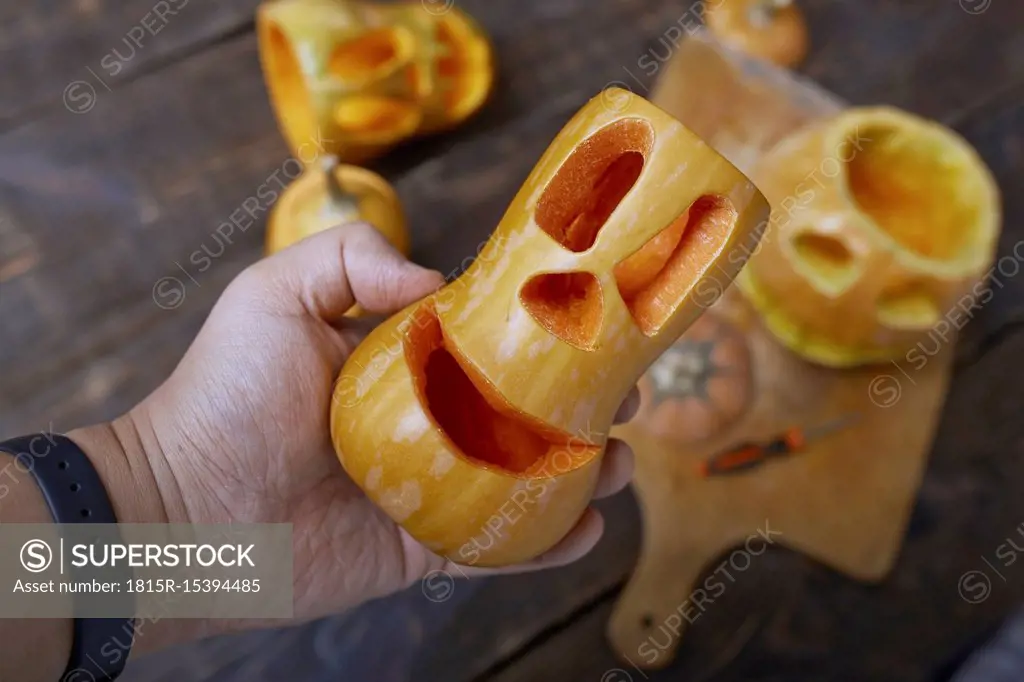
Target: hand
{"x": 240, "y": 431}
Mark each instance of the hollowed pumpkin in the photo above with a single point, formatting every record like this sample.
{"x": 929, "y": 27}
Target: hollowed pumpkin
{"x": 477, "y": 417}
{"x": 354, "y": 78}
{"x": 883, "y": 223}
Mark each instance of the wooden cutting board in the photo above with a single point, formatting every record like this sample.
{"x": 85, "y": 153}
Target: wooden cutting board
{"x": 846, "y": 499}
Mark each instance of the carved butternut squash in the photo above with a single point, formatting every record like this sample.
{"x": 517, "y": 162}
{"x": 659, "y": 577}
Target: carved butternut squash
{"x": 477, "y": 417}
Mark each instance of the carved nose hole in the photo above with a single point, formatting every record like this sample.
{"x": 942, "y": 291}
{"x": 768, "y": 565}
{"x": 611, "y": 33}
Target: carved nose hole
{"x": 592, "y": 182}
{"x": 826, "y": 261}
{"x": 655, "y": 280}
{"x": 568, "y": 304}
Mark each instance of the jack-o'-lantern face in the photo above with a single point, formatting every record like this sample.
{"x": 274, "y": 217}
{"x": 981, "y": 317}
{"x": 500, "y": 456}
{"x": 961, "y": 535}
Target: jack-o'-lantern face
{"x": 503, "y": 385}
{"x": 354, "y": 78}
{"x": 883, "y": 224}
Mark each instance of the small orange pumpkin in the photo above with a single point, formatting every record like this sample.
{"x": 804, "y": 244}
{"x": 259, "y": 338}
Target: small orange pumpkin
{"x": 477, "y": 417}
{"x": 354, "y": 78}
{"x": 700, "y": 386}
{"x": 774, "y": 30}
{"x": 332, "y": 195}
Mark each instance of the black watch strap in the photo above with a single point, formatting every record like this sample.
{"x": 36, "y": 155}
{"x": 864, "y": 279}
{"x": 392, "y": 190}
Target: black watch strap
{"x": 75, "y": 494}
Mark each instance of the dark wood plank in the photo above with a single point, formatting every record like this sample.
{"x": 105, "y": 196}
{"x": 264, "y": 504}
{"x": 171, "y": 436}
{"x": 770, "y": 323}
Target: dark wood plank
{"x": 510, "y": 614}
{"x": 105, "y": 205}
{"x": 933, "y": 58}
{"x": 997, "y": 131}
{"x": 61, "y": 55}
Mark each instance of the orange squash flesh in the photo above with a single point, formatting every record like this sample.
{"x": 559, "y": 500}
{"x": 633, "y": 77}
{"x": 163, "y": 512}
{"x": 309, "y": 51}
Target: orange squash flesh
{"x": 637, "y": 272}
{"x": 568, "y": 304}
{"x": 477, "y": 418}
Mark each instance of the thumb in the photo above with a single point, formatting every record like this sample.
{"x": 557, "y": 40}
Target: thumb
{"x": 329, "y": 272}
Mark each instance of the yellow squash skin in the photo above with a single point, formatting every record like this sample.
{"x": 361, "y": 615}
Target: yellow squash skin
{"x": 354, "y": 78}
{"x": 541, "y": 336}
{"x": 883, "y": 226}
{"x": 307, "y": 206}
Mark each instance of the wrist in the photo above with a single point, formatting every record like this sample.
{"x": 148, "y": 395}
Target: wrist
{"x": 143, "y": 489}
{"x": 134, "y": 472}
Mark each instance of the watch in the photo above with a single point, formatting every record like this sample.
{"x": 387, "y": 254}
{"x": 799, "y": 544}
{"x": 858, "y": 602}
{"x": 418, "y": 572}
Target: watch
{"x": 75, "y": 494}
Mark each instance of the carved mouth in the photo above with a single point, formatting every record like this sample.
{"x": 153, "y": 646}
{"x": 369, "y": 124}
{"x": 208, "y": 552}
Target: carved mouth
{"x": 480, "y": 424}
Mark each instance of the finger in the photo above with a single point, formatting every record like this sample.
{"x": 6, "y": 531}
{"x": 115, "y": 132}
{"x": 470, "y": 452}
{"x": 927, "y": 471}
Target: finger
{"x": 616, "y": 468}
{"x": 329, "y": 272}
{"x": 574, "y": 546}
{"x": 629, "y": 406}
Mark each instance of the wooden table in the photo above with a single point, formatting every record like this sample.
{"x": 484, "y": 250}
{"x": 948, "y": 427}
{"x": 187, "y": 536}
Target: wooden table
{"x": 109, "y": 182}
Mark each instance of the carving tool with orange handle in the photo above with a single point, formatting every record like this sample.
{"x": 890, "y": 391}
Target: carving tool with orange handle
{"x": 751, "y": 455}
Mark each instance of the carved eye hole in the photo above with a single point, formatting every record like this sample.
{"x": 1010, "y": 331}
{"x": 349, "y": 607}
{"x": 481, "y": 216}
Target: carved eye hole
{"x": 908, "y": 306}
{"x": 654, "y": 280}
{"x": 369, "y": 57}
{"x": 826, "y": 261}
{"x": 567, "y": 304}
{"x": 592, "y": 182}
